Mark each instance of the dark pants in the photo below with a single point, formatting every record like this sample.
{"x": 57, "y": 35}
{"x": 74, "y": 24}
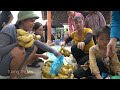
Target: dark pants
{"x": 79, "y": 73}
{"x": 78, "y": 54}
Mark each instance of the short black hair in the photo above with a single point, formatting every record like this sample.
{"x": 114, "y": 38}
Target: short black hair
{"x": 36, "y": 25}
{"x": 104, "y": 29}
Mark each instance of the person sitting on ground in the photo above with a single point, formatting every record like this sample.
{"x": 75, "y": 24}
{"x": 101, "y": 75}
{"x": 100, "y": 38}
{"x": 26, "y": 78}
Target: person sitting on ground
{"x": 82, "y": 38}
{"x": 99, "y": 64}
{"x": 15, "y": 57}
{"x": 38, "y": 30}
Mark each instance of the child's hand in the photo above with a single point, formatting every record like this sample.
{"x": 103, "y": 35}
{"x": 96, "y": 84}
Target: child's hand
{"x": 45, "y": 57}
{"x": 81, "y": 45}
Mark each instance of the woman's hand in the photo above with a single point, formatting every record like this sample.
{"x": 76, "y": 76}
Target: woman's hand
{"x": 42, "y": 56}
{"x": 111, "y": 47}
{"x": 81, "y": 45}
{"x": 58, "y": 54}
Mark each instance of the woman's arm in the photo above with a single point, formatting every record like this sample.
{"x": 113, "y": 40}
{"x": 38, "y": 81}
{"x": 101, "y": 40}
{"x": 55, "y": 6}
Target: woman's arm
{"x": 115, "y": 25}
{"x": 68, "y": 40}
{"x": 88, "y": 38}
{"x": 45, "y": 47}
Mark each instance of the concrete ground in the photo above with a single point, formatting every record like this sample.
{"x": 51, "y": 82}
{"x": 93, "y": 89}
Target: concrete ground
{"x": 37, "y": 72}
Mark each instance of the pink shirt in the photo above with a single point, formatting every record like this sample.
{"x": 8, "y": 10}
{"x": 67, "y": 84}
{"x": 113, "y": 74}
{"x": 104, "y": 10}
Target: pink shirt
{"x": 71, "y": 21}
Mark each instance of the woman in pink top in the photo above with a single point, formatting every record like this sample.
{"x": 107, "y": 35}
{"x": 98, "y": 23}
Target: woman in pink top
{"x": 71, "y": 15}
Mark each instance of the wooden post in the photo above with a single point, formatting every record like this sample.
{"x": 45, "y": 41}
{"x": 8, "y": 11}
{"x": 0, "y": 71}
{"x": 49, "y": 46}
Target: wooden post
{"x": 49, "y": 27}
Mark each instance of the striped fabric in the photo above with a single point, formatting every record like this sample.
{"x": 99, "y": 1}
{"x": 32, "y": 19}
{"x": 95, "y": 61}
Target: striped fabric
{"x": 95, "y": 21}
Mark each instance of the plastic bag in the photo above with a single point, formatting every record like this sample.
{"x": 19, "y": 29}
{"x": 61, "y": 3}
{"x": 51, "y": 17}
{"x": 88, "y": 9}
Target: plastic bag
{"x": 56, "y": 65}
{"x": 51, "y": 55}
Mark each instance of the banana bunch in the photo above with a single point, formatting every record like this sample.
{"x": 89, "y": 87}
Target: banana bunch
{"x": 66, "y": 72}
{"x": 64, "y": 51}
{"x": 26, "y": 39}
{"x": 21, "y": 32}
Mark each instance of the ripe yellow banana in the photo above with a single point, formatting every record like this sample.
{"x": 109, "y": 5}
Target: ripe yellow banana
{"x": 37, "y": 37}
{"x": 21, "y": 44}
{"x": 29, "y": 44}
{"x": 26, "y": 38}
{"x": 21, "y": 32}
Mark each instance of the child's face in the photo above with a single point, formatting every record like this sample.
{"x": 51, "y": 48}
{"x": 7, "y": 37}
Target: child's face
{"x": 103, "y": 40}
{"x": 39, "y": 31}
{"x": 71, "y": 14}
{"x": 79, "y": 24}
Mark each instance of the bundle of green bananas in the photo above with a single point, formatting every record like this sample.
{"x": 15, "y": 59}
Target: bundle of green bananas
{"x": 26, "y": 39}
{"x": 64, "y": 51}
{"x": 66, "y": 72}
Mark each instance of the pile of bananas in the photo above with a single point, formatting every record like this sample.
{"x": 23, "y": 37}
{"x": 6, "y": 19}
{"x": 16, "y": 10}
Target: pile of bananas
{"x": 64, "y": 51}
{"x": 26, "y": 39}
{"x": 66, "y": 72}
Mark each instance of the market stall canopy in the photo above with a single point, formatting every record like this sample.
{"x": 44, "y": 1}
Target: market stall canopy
{"x": 56, "y": 24}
